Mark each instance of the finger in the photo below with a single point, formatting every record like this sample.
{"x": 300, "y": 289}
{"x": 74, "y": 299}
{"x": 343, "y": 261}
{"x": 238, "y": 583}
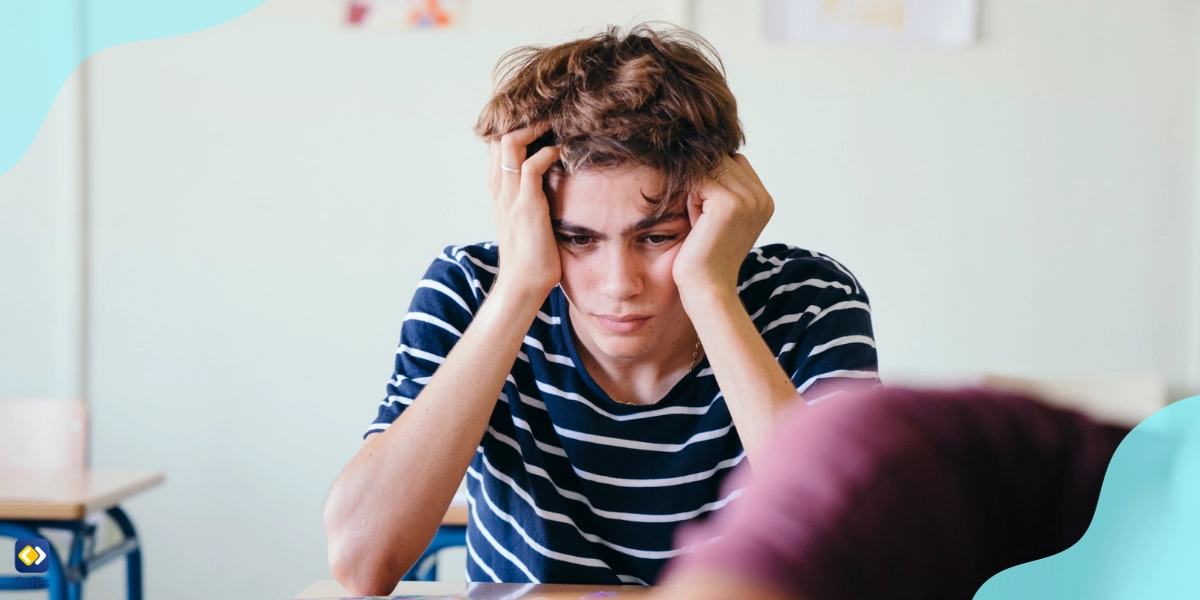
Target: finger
{"x": 732, "y": 176}
{"x": 731, "y": 182}
{"x": 707, "y": 189}
{"x": 730, "y": 169}
{"x": 536, "y": 166}
{"x": 744, "y": 163}
{"x": 695, "y": 206}
{"x": 512, "y": 148}
{"x": 494, "y": 167}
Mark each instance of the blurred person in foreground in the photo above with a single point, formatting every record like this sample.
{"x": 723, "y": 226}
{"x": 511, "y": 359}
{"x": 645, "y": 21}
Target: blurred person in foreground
{"x": 899, "y": 494}
{"x": 597, "y": 371}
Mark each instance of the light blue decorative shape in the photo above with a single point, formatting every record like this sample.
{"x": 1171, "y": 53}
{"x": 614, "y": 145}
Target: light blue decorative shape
{"x": 43, "y": 41}
{"x": 1144, "y": 540}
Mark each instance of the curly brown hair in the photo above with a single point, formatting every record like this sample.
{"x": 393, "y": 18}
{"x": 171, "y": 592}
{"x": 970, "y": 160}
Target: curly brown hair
{"x": 654, "y": 96}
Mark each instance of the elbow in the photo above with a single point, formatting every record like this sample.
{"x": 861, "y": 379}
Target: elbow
{"x": 361, "y": 572}
{"x": 355, "y": 561}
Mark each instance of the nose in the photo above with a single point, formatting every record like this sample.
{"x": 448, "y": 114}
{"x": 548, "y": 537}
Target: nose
{"x": 623, "y": 277}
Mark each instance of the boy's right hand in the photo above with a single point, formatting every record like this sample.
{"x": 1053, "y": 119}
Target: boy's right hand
{"x": 528, "y": 250}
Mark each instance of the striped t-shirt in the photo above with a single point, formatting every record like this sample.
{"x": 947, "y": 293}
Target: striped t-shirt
{"x": 568, "y": 486}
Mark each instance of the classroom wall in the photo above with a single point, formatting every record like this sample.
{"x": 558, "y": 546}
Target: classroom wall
{"x": 40, "y": 259}
{"x": 266, "y": 194}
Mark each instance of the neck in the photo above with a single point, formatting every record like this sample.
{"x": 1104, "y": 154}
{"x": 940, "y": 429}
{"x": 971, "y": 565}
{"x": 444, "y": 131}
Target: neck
{"x": 642, "y": 379}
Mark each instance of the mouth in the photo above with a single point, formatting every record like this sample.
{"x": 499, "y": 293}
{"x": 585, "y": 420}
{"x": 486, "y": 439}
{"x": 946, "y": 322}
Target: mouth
{"x": 622, "y": 323}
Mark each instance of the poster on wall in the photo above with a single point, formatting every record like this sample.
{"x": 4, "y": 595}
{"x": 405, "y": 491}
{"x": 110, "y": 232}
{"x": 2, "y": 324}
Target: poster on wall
{"x": 399, "y": 15}
{"x": 873, "y": 22}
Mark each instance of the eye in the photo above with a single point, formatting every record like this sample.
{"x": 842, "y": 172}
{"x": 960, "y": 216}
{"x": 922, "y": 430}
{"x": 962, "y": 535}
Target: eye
{"x": 659, "y": 240}
{"x": 576, "y": 241}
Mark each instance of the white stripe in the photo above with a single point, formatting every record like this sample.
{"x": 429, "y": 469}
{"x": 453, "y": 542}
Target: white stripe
{"x": 403, "y": 349}
{"x": 529, "y": 541}
{"x": 496, "y": 545}
{"x": 667, "y": 481}
{"x": 474, "y": 282}
{"x": 841, "y": 306}
{"x": 820, "y": 283}
{"x": 623, "y": 516}
{"x": 785, "y": 349}
{"x": 394, "y": 399}
{"x": 531, "y": 401}
{"x": 478, "y": 263}
{"x": 792, "y": 318}
{"x": 399, "y": 379}
{"x": 522, "y": 356}
{"x": 449, "y": 293}
{"x": 820, "y": 399}
{"x": 561, "y": 518}
{"x": 544, "y": 447}
{"x": 555, "y": 358}
{"x": 548, "y": 319}
{"x": 636, "y": 445}
{"x": 706, "y": 372}
{"x": 432, "y": 320}
{"x": 838, "y": 373}
{"x": 818, "y": 313}
{"x": 839, "y": 267}
{"x": 842, "y": 341}
{"x": 479, "y": 561}
{"x": 758, "y": 253}
{"x": 631, "y": 579}
{"x": 671, "y": 410}
{"x": 758, "y": 313}
{"x": 760, "y": 276}
{"x": 378, "y": 427}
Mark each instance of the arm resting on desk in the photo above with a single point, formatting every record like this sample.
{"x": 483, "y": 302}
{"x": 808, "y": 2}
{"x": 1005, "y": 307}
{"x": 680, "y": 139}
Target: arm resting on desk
{"x": 386, "y": 505}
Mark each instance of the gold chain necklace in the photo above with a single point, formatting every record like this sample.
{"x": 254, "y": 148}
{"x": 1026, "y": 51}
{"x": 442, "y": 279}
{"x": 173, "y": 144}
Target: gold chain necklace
{"x": 691, "y": 365}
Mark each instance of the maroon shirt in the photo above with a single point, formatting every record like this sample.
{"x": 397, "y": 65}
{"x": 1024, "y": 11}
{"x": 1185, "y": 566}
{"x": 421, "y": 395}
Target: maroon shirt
{"x": 909, "y": 494}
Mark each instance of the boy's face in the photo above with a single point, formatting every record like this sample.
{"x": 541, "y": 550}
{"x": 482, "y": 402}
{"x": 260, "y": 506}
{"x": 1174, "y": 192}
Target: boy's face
{"x": 616, "y": 260}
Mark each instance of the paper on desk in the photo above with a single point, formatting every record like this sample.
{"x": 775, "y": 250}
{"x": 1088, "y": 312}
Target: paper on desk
{"x": 873, "y": 22}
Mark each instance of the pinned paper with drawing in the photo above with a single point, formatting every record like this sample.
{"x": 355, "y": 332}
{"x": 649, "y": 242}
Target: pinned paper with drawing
{"x": 873, "y": 22}
{"x": 402, "y": 14}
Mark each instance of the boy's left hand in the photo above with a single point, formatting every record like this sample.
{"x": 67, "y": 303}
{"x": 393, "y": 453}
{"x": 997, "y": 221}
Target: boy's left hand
{"x": 728, "y": 211}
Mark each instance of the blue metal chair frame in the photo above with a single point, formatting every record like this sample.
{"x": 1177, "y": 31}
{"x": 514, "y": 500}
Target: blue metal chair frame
{"x": 425, "y": 569}
{"x": 66, "y": 581}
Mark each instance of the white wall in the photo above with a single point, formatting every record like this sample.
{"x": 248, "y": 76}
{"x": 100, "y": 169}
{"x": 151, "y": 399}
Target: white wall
{"x": 40, "y": 259}
{"x": 267, "y": 193}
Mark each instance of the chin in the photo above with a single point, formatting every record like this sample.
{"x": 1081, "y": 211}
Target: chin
{"x": 622, "y": 346}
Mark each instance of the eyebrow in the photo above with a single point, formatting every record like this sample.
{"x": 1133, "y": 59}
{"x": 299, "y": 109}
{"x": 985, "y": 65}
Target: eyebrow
{"x": 568, "y": 227}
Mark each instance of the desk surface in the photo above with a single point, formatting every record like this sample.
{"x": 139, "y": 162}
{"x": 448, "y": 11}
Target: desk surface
{"x": 455, "y": 515}
{"x": 485, "y": 591}
{"x": 61, "y": 495}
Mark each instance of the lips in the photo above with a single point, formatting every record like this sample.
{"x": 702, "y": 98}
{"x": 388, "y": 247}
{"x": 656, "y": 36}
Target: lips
{"x": 622, "y": 323}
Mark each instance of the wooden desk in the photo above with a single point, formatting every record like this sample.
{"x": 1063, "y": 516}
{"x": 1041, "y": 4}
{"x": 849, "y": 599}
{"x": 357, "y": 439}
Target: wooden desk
{"x": 67, "y": 495}
{"x": 323, "y": 590}
{"x": 34, "y": 500}
{"x": 455, "y": 515}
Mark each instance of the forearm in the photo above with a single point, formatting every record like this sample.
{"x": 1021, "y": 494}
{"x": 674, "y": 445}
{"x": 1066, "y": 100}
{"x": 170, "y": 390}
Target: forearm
{"x": 388, "y": 502}
{"x": 755, "y": 387}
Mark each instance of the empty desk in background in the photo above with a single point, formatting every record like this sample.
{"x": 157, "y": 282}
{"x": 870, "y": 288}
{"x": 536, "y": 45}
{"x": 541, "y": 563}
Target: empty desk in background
{"x": 30, "y": 500}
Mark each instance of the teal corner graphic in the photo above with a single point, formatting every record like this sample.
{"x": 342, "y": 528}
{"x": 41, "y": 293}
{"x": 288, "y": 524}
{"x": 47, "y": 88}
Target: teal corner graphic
{"x": 43, "y": 41}
{"x": 1144, "y": 540}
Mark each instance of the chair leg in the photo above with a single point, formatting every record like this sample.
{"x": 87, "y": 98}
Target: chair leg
{"x": 133, "y": 560}
{"x": 55, "y": 575}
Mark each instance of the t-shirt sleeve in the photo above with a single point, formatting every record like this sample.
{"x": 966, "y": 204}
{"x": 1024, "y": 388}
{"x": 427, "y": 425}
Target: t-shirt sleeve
{"x": 443, "y": 305}
{"x": 817, "y": 319}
